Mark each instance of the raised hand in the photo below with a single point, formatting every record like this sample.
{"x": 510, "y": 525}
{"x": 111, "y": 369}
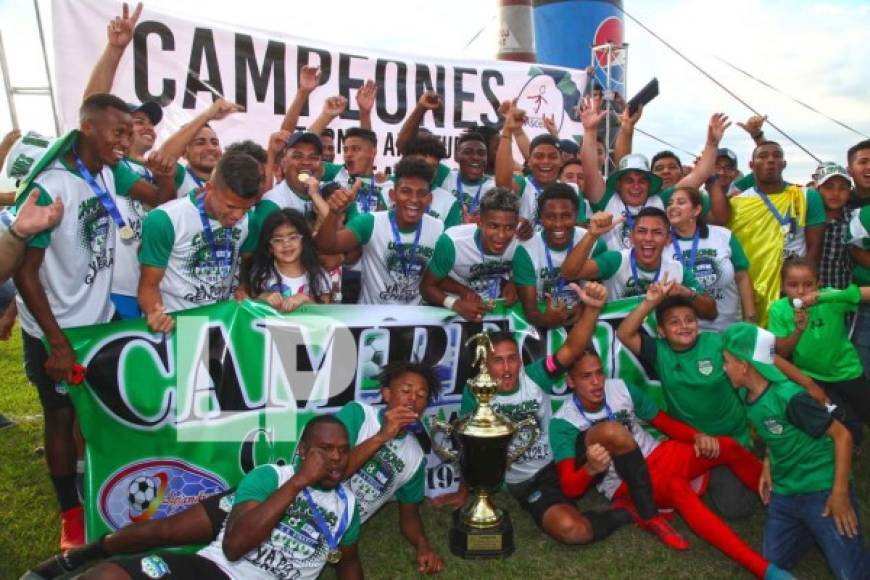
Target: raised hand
{"x": 33, "y": 218}
{"x": 277, "y": 141}
{"x": 550, "y": 125}
{"x": 716, "y": 129}
{"x": 309, "y": 78}
{"x": 222, "y": 108}
{"x": 430, "y": 100}
{"x": 591, "y": 113}
{"x": 753, "y": 125}
{"x": 10, "y": 138}
{"x": 514, "y": 119}
{"x": 341, "y": 199}
{"x": 602, "y": 222}
{"x": 119, "y": 31}
{"x": 365, "y": 96}
{"x": 334, "y": 106}
{"x": 395, "y": 420}
{"x": 630, "y": 120}
{"x": 593, "y": 294}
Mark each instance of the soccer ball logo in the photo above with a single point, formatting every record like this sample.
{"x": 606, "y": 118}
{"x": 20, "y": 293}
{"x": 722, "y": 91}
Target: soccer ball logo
{"x": 142, "y": 492}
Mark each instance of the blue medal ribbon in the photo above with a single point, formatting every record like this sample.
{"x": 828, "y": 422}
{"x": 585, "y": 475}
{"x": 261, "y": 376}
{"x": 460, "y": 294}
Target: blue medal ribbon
{"x": 784, "y": 220}
{"x": 224, "y": 262}
{"x": 365, "y": 194}
{"x": 407, "y": 267}
{"x": 550, "y": 269}
{"x": 199, "y": 182}
{"x": 694, "y": 252}
{"x": 331, "y": 540}
{"x": 472, "y": 207}
{"x": 102, "y": 195}
{"x": 416, "y": 427}
{"x": 632, "y": 260}
{"x": 610, "y": 415}
{"x": 492, "y": 288}
{"x": 148, "y": 176}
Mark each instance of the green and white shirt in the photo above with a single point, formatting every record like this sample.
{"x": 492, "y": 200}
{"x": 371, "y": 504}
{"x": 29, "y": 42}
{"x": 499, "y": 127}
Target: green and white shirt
{"x": 793, "y": 426}
{"x": 528, "y": 192}
{"x": 280, "y": 197}
{"x": 719, "y": 257}
{"x": 858, "y": 236}
{"x": 619, "y": 238}
{"x": 76, "y": 272}
{"x": 189, "y": 182}
{"x": 459, "y": 254}
{"x": 371, "y": 191}
{"x": 627, "y": 405}
{"x": 614, "y": 269}
{"x": 443, "y": 207}
{"x": 697, "y": 390}
{"x": 388, "y": 275}
{"x": 173, "y": 239}
{"x": 296, "y": 548}
{"x": 468, "y": 193}
{"x": 531, "y": 267}
{"x": 397, "y": 469}
{"x": 531, "y": 398}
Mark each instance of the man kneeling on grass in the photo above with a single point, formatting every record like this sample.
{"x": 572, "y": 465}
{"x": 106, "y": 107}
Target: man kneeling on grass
{"x": 386, "y": 461}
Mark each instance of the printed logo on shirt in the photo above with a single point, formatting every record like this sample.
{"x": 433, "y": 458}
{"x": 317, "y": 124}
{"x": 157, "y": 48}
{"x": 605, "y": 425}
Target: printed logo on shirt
{"x": 154, "y": 566}
{"x": 706, "y": 271}
{"x": 705, "y": 367}
{"x": 135, "y": 214}
{"x": 376, "y": 478}
{"x": 406, "y": 284}
{"x": 213, "y": 279}
{"x": 93, "y": 231}
{"x": 550, "y": 285}
{"x": 773, "y": 426}
{"x": 490, "y": 273}
{"x": 540, "y": 449}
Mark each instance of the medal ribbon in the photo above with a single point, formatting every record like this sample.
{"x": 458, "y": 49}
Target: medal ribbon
{"x": 408, "y": 266}
{"x": 633, "y": 261}
{"x": 102, "y": 195}
{"x": 550, "y": 269}
{"x": 610, "y": 415}
{"x": 493, "y": 287}
{"x": 199, "y": 182}
{"x": 694, "y": 252}
{"x": 784, "y": 220}
{"x": 472, "y": 207}
{"x": 225, "y": 263}
{"x": 331, "y": 540}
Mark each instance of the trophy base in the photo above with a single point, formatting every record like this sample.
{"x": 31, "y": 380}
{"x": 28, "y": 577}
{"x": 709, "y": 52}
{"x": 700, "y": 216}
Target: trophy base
{"x": 476, "y": 543}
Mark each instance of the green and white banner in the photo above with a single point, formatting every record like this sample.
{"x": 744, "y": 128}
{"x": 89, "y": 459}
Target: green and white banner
{"x": 171, "y": 419}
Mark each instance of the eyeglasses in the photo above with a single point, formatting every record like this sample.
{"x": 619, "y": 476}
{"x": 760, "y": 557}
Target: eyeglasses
{"x": 289, "y": 239}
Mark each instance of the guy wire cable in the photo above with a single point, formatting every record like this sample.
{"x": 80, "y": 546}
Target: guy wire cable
{"x": 663, "y": 142}
{"x": 795, "y": 99}
{"x": 716, "y": 82}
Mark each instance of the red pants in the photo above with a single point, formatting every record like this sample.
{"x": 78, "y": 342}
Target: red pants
{"x": 672, "y": 467}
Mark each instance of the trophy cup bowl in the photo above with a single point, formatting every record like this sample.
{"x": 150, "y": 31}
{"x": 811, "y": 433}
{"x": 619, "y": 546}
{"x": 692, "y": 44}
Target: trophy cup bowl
{"x": 479, "y": 528}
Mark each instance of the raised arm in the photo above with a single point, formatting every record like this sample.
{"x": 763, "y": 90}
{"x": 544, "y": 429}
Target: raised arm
{"x": 625, "y": 136}
{"x": 309, "y": 79}
{"x": 593, "y": 296}
{"x": 365, "y": 100}
{"x": 331, "y": 237}
{"x": 176, "y": 144}
{"x": 577, "y": 265}
{"x": 754, "y": 126}
{"x": 504, "y": 157}
{"x": 332, "y": 108}
{"x": 706, "y": 165}
{"x": 593, "y": 181}
{"x": 428, "y": 101}
{"x": 720, "y": 207}
{"x": 31, "y": 220}
{"x": 628, "y": 332}
{"x": 119, "y": 33}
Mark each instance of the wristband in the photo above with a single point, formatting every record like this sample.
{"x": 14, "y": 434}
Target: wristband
{"x": 14, "y": 233}
{"x": 449, "y": 301}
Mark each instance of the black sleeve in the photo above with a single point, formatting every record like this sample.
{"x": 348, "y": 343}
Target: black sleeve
{"x": 807, "y": 415}
{"x": 648, "y": 349}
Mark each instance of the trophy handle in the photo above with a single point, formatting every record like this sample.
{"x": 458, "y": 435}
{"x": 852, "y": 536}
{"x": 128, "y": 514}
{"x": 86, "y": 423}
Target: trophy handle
{"x": 447, "y": 429}
{"x": 527, "y": 424}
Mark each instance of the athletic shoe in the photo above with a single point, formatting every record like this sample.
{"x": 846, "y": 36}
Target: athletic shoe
{"x": 624, "y": 503}
{"x": 4, "y": 422}
{"x": 72, "y": 528}
{"x": 668, "y": 535}
{"x": 53, "y": 567}
{"x": 774, "y": 572}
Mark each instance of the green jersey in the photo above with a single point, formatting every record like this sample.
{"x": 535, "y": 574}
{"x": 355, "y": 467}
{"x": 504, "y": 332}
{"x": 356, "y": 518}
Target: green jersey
{"x": 823, "y": 351}
{"x": 697, "y": 390}
{"x": 794, "y": 428}
{"x": 858, "y": 236}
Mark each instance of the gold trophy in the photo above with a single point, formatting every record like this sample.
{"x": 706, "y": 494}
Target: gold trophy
{"x": 479, "y": 528}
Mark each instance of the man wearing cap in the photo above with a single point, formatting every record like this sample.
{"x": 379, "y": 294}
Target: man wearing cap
{"x": 634, "y": 187}
{"x": 835, "y": 266}
{"x": 806, "y": 482}
{"x": 726, "y": 167}
{"x": 772, "y": 219}
{"x": 570, "y": 150}
{"x": 301, "y": 161}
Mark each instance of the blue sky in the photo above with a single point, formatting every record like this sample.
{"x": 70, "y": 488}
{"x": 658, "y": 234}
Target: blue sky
{"x": 813, "y": 50}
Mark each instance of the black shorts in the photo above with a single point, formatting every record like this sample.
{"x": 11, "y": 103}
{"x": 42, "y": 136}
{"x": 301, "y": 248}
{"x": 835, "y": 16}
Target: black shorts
{"x": 540, "y": 493}
{"x": 171, "y": 565}
{"x": 35, "y": 356}
{"x": 218, "y": 510}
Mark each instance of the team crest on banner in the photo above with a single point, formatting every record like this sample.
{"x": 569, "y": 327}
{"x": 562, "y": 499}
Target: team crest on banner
{"x": 705, "y": 367}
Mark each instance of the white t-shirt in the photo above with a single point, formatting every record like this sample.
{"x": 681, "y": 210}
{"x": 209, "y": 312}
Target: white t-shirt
{"x": 173, "y": 239}
{"x": 389, "y": 276}
{"x": 189, "y": 183}
{"x": 442, "y": 205}
{"x": 282, "y": 196}
{"x": 619, "y": 238}
{"x": 466, "y": 193}
{"x": 125, "y": 279}
{"x": 617, "y": 276}
{"x": 293, "y": 285}
{"x": 76, "y": 272}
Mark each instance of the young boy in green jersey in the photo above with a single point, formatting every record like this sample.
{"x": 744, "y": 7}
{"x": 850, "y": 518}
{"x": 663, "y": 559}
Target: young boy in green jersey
{"x": 809, "y": 455}
{"x": 810, "y": 328}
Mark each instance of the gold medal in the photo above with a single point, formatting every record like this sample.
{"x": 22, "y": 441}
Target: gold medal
{"x": 303, "y": 177}
{"x": 126, "y": 233}
{"x": 786, "y": 229}
{"x": 334, "y": 556}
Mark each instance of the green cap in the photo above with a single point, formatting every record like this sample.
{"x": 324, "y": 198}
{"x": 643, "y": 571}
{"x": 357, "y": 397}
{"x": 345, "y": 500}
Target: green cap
{"x": 635, "y": 162}
{"x": 755, "y": 345}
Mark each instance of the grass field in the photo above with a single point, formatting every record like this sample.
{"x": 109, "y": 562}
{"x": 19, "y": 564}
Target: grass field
{"x": 29, "y": 525}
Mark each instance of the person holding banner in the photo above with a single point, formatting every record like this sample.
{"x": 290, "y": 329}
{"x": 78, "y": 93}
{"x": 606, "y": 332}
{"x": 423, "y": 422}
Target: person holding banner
{"x": 192, "y": 246}
{"x": 470, "y": 181}
{"x": 471, "y": 264}
{"x": 538, "y": 261}
{"x": 525, "y": 392}
{"x": 66, "y": 273}
{"x": 285, "y": 521}
{"x": 628, "y": 274}
{"x": 396, "y": 245}
{"x": 387, "y": 460}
